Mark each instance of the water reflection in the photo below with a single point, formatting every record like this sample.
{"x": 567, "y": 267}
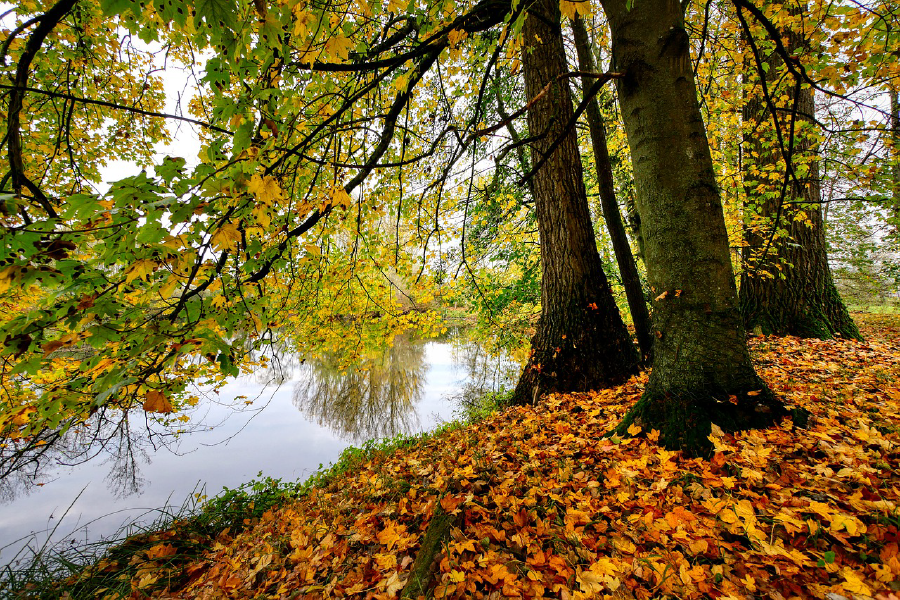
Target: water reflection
{"x": 375, "y": 398}
{"x": 123, "y": 440}
{"x": 110, "y": 436}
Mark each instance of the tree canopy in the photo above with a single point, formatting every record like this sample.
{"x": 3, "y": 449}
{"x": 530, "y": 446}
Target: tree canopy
{"x": 357, "y": 160}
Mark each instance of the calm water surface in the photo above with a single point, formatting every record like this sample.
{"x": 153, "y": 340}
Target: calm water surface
{"x": 303, "y": 415}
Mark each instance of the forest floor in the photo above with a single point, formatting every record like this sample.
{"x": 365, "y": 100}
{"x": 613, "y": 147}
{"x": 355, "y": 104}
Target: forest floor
{"x": 537, "y": 504}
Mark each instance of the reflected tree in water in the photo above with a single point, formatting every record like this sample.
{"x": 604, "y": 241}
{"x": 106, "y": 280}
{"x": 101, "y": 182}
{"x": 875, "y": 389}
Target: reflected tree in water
{"x": 375, "y": 398}
{"x": 122, "y": 439}
{"x": 486, "y": 371}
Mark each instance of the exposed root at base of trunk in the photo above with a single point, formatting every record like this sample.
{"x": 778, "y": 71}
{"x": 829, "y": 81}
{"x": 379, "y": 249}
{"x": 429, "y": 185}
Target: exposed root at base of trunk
{"x": 424, "y": 568}
{"x": 684, "y": 419}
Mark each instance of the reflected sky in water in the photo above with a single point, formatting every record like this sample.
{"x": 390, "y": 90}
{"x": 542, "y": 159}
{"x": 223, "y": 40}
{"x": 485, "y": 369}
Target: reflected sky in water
{"x": 317, "y": 411}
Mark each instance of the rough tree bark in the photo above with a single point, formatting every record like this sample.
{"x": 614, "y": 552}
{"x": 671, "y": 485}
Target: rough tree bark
{"x": 581, "y": 342}
{"x": 786, "y": 283}
{"x": 614, "y": 225}
{"x": 894, "y": 92}
{"x": 702, "y": 372}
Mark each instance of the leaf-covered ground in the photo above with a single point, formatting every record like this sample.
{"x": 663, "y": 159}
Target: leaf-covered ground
{"x": 545, "y": 507}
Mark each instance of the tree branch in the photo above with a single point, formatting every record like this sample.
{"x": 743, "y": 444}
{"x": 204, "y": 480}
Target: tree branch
{"x": 113, "y": 105}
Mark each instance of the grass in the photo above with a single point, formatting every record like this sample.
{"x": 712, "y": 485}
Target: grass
{"x": 888, "y": 308}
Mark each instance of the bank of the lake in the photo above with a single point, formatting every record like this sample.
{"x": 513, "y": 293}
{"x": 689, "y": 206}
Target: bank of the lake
{"x": 534, "y": 503}
{"x": 281, "y": 423}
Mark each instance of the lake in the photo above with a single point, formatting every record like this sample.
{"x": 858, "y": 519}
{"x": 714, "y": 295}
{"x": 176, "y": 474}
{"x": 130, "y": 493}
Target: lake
{"x": 303, "y": 415}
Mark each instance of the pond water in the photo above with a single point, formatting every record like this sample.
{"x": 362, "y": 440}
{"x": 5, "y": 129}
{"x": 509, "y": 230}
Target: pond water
{"x": 303, "y": 415}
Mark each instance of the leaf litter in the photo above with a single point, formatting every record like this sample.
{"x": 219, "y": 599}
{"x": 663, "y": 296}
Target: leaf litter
{"x": 546, "y": 507}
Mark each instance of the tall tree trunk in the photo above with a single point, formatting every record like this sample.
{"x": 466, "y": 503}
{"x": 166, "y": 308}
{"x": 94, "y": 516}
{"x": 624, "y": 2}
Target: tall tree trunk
{"x": 702, "y": 372}
{"x": 786, "y": 283}
{"x": 624, "y": 259}
{"x": 581, "y": 342}
{"x": 894, "y": 92}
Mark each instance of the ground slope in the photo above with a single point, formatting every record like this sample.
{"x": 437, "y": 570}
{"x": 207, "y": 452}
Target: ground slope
{"x": 542, "y": 506}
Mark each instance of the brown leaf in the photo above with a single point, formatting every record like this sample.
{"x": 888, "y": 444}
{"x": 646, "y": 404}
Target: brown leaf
{"x": 156, "y": 402}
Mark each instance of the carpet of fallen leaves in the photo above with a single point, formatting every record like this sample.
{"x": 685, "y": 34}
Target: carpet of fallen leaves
{"x": 548, "y": 508}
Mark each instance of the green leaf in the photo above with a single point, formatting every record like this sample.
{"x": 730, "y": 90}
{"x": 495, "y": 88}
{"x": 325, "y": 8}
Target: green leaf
{"x": 217, "y": 13}
{"x": 116, "y": 7}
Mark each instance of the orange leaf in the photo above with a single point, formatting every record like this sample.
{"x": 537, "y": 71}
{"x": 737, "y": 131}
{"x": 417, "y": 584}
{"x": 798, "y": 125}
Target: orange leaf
{"x": 156, "y": 402}
{"x": 161, "y": 551}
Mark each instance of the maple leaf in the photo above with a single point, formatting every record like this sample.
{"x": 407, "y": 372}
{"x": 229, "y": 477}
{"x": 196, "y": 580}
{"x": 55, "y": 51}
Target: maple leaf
{"x": 338, "y": 46}
{"x": 456, "y": 36}
{"x": 390, "y": 534}
{"x": 140, "y": 269}
{"x": 304, "y": 21}
{"x": 156, "y": 402}
{"x": 161, "y": 551}
{"x": 393, "y": 584}
{"x": 226, "y": 236}
{"x": 264, "y": 188}
{"x": 853, "y": 583}
{"x": 340, "y": 197}
{"x": 397, "y": 6}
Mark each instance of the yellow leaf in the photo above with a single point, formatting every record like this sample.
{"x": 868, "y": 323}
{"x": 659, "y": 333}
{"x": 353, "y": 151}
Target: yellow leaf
{"x": 698, "y": 546}
{"x": 313, "y": 249}
{"x": 156, "y": 402}
{"x": 161, "y": 551}
{"x": 390, "y": 535}
{"x": 264, "y": 189}
{"x": 8, "y": 277}
{"x": 386, "y": 561}
{"x": 853, "y": 583}
{"x": 400, "y": 83}
{"x": 456, "y": 36}
{"x": 340, "y": 197}
{"x": 394, "y": 584}
{"x": 634, "y": 429}
{"x": 303, "y": 21}
{"x": 147, "y": 580}
{"x": 139, "y": 269}
{"x": 568, "y": 9}
{"x": 457, "y": 576}
{"x": 338, "y": 46}
{"x": 226, "y": 236}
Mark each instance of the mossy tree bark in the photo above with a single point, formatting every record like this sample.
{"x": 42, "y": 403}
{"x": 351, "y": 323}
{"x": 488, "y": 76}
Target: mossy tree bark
{"x": 611, "y": 214}
{"x": 786, "y": 283}
{"x": 702, "y": 372}
{"x": 581, "y": 342}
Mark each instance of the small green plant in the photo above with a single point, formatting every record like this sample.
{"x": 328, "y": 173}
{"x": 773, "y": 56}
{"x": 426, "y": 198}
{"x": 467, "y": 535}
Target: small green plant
{"x": 474, "y": 410}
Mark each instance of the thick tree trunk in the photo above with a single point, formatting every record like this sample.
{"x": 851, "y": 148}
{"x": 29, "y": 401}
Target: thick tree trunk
{"x": 581, "y": 342}
{"x": 786, "y": 283}
{"x": 624, "y": 259}
{"x": 702, "y": 372}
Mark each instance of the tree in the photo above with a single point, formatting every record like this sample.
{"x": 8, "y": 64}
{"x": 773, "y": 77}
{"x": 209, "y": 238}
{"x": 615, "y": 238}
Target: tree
{"x": 634, "y": 292}
{"x": 894, "y": 93}
{"x": 786, "y": 284}
{"x": 701, "y": 369}
{"x": 581, "y": 342}
{"x": 118, "y": 299}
